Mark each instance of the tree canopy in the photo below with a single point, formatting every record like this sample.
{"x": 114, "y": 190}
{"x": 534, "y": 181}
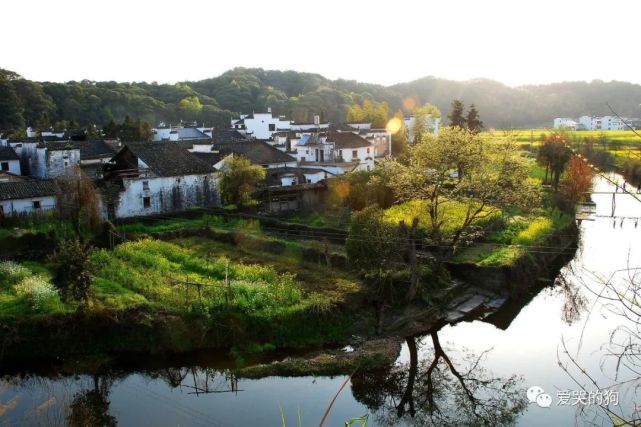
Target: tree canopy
{"x": 238, "y": 180}
{"x": 298, "y": 95}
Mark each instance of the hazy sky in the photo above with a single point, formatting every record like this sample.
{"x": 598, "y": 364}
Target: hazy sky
{"x": 513, "y": 41}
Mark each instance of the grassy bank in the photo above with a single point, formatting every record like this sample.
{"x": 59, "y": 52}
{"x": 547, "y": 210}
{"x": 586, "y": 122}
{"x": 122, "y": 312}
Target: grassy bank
{"x": 517, "y": 237}
{"x": 212, "y": 294}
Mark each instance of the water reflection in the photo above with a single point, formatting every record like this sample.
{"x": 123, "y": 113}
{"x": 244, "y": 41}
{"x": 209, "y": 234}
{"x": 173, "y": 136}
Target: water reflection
{"x": 90, "y": 407}
{"x": 443, "y": 387}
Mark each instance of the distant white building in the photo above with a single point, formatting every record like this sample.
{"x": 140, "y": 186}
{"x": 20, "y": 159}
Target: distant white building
{"x": 590, "y": 123}
{"x": 260, "y": 125}
{"x": 565, "y": 123}
{"x": 169, "y": 133}
{"x": 432, "y": 124}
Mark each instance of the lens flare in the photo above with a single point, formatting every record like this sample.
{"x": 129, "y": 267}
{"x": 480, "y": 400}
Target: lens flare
{"x": 409, "y": 103}
{"x": 394, "y": 125}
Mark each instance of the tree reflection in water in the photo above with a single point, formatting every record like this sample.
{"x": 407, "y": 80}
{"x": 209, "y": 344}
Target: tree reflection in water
{"x": 90, "y": 407}
{"x": 444, "y": 388}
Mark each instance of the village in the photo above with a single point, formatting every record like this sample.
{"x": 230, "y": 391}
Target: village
{"x": 177, "y": 170}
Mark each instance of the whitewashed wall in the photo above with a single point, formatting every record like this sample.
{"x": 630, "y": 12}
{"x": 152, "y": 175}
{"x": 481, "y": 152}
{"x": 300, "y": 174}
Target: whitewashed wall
{"x": 167, "y": 194}
{"x": 25, "y": 206}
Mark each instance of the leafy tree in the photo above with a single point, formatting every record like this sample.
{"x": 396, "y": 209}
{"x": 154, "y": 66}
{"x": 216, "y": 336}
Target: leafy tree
{"x": 458, "y": 165}
{"x": 72, "y": 265}
{"x": 358, "y": 190}
{"x": 135, "y": 130}
{"x": 368, "y": 112}
{"x": 111, "y": 130}
{"x": 456, "y": 114}
{"x": 577, "y": 181}
{"x": 43, "y": 123}
{"x": 238, "y": 180}
{"x": 424, "y": 121}
{"x": 474, "y": 123}
{"x": 554, "y": 155}
{"x": 11, "y": 117}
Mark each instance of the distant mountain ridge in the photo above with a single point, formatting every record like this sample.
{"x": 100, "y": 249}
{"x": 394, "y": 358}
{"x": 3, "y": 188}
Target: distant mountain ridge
{"x": 299, "y": 96}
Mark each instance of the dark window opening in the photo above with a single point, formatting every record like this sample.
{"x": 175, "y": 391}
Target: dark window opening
{"x": 145, "y": 185}
{"x": 5, "y": 166}
{"x": 272, "y": 127}
{"x": 146, "y": 202}
{"x": 36, "y": 204}
{"x": 354, "y": 154}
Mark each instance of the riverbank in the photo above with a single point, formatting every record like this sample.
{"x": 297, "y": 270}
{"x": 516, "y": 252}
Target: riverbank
{"x": 241, "y": 284}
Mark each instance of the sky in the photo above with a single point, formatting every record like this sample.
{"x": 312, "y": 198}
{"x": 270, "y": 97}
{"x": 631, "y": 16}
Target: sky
{"x": 513, "y": 41}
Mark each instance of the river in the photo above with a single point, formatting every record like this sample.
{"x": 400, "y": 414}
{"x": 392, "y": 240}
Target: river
{"x": 495, "y": 364}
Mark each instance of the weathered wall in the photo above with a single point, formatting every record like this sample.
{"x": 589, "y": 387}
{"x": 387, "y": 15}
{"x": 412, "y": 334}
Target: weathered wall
{"x": 167, "y": 194}
{"x": 57, "y": 162}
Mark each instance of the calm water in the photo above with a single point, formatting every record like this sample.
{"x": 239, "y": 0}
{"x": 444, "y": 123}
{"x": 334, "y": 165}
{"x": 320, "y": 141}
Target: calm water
{"x": 494, "y": 365}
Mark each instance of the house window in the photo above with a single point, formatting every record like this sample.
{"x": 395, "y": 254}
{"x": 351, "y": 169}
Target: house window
{"x": 1, "y": 210}
{"x": 145, "y": 185}
{"x": 272, "y": 127}
{"x": 36, "y": 204}
{"x": 367, "y": 150}
{"x": 354, "y": 154}
{"x": 340, "y": 153}
{"x": 66, "y": 163}
{"x": 5, "y": 166}
{"x": 146, "y": 202}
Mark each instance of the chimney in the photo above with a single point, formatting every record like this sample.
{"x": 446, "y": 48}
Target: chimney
{"x": 269, "y": 109}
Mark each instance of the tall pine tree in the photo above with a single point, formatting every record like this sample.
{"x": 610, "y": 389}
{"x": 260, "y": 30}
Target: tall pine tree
{"x": 474, "y": 122}
{"x": 456, "y": 115}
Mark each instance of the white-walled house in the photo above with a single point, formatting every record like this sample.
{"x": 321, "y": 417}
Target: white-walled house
{"x": 22, "y": 195}
{"x": 565, "y": 123}
{"x": 600, "y": 123}
{"x": 54, "y": 158}
{"x": 9, "y": 161}
{"x": 146, "y": 178}
{"x": 335, "y": 152}
{"x": 260, "y": 125}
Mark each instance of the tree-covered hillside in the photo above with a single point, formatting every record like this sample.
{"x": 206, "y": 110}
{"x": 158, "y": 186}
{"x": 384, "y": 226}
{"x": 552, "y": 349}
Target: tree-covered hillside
{"x": 298, "y": 95}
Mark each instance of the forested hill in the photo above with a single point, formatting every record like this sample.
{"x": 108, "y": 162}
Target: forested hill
{"x": 299, "y": 96}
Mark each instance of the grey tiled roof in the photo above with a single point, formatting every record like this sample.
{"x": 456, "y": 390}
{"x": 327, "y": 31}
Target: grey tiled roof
{"x": 345, "y": 140}
{"x": 168, "y": 158}
{"x": 257, "y": 152}
{"x": 7, "y": 153}
{"x": 27, "y": 189}
{"x": 97, "y": 149}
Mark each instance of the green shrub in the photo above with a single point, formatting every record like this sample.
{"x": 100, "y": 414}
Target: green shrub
{"x": 37, "y": 291}
{"x": 11, "y": 273}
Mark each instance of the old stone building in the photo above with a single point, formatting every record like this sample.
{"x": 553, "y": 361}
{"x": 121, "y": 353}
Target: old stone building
{"x": 146, "y": 178}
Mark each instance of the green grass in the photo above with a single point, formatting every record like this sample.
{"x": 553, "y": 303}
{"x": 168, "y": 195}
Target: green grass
{"x": 14, "y": 304}
{"x": 46, "y": 225}
{"x": 452, "y": 213}
{"x": 518, "y": 236}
